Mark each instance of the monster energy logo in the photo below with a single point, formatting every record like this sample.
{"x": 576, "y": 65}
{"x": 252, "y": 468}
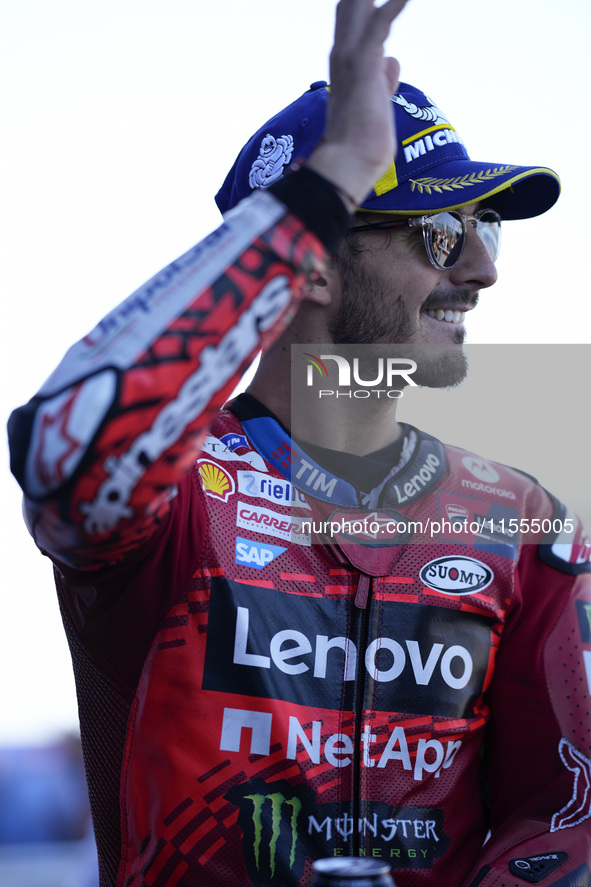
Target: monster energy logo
{"x": 269, "y": 814}
{"x": 277, "y": 800}
{"x": 282, "y": 825}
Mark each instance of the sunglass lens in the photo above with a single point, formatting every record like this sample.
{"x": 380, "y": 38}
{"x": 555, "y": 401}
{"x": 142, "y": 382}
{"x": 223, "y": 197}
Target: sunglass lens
{"x": 446, "y": 236}
{"x": 488, "y": 227}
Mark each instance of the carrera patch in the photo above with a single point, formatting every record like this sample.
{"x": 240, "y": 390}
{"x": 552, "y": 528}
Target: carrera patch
{"x": 271, "y": 523}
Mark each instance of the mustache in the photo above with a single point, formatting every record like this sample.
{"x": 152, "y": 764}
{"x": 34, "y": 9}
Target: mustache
{"x": 450, "y": 299}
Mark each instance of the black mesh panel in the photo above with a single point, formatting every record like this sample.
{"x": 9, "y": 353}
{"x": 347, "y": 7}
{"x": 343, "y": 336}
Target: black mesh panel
{"x": 104, "y": 713}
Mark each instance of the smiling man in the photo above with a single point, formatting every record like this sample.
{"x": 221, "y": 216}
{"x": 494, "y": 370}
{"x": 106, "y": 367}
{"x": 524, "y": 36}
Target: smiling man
{"x": 299, "y": 627}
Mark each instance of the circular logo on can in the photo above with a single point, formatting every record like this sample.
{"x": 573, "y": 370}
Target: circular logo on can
{"x": 456, "y": 574}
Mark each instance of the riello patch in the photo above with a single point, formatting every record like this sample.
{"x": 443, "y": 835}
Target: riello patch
{"x": 456, "y": 575}
{"x": 215, "y": 480}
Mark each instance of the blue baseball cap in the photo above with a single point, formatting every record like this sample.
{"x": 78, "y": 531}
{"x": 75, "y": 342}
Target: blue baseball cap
{"x": 431, "y": 172}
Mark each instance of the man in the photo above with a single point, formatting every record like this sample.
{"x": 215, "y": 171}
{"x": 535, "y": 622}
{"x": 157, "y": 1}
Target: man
{"x": 277, "y": 660}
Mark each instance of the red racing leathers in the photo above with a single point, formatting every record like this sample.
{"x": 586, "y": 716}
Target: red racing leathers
{"x": 254, "y": 694}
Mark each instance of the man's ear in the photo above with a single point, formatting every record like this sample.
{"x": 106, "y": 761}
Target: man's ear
{"x": 319, "y": 287}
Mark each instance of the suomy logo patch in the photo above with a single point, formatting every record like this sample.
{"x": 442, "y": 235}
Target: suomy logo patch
{"x": 456, "y": 575}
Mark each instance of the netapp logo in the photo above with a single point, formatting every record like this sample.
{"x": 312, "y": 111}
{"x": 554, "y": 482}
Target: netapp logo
{"x": 249, "y": 732}
{"x": 260, "y": 644}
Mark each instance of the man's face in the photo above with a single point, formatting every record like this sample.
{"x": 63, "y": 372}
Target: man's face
{"x": 389, "y": 292}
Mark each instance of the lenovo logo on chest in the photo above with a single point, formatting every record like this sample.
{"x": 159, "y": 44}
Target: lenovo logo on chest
{"x": 293, "y": 652}
{"x": 270, "y": 644}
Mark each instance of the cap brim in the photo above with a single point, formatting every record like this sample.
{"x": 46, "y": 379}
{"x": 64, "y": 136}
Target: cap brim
{"x": 515, "y": 192}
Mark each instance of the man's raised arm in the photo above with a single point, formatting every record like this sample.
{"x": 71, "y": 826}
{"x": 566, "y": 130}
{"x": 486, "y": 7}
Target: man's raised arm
{"x": 99, "y": 449}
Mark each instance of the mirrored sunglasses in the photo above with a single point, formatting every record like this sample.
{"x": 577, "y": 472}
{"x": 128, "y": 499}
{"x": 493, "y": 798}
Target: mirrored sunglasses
{"x": 445, "y": 233}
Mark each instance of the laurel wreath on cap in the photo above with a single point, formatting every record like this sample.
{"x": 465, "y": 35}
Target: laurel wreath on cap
{"x": 429, "y": 183}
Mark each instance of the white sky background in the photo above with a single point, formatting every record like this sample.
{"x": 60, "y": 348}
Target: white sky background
{"x": 120, "y": 120}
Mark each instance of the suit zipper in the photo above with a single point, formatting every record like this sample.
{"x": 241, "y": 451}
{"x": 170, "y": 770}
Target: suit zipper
{"x": 362, "y": 600}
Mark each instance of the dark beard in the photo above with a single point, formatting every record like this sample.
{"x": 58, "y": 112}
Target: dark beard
{"x": 368, "y": 317}
{"x": 353, "y": 323}
{"x": 438, "y": 366}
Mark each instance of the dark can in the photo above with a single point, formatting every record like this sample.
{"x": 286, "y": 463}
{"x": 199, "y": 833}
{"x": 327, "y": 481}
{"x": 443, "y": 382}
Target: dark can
{"x": 351, "y": 871}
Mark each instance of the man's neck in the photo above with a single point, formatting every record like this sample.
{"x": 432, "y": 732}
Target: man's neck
{"x": 344, "y": 424}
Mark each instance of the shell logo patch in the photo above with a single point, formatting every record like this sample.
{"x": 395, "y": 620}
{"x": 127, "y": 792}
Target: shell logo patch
{"x": 215, "y": 480}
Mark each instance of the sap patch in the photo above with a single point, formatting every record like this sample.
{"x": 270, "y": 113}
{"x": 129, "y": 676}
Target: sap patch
{"x": 256, "y": 554}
